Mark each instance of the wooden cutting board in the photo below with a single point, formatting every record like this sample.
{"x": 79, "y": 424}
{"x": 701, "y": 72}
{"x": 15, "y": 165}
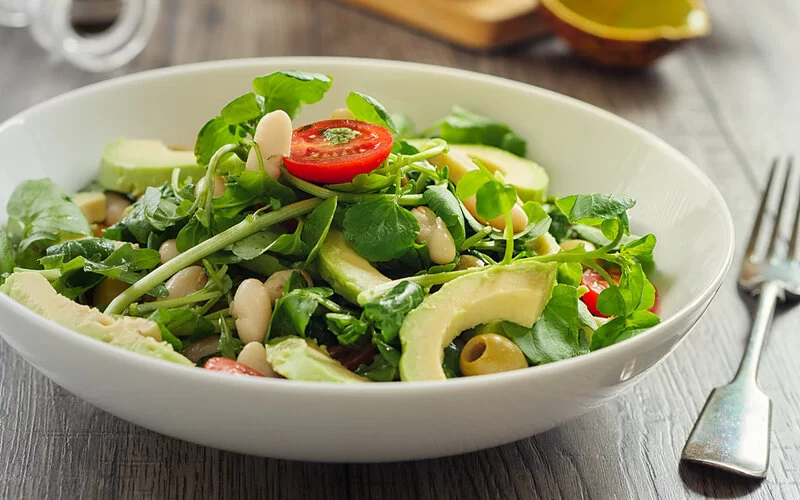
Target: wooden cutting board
{"x": 475, "y": 24}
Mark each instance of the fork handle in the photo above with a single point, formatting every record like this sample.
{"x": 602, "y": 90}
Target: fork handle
{"x": 748, "y": 368}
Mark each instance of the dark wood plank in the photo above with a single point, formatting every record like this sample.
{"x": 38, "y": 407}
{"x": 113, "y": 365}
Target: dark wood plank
{"x": 726, "y": 102}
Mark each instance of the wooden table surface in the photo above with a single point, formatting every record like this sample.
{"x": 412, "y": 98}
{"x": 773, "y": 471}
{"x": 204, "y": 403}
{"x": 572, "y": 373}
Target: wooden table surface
{"x": 729, "y": 102}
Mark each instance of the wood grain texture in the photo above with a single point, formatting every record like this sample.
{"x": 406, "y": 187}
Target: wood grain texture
{"x": 729, "y": 103}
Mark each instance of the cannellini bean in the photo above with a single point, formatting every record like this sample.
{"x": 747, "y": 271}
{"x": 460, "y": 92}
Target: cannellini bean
{"x": 252, "y": 310}
{"x": 433, "y": 232}
{"x": 116, "y": 204}
{"x": 219, "y": 186}
{"x": 186, "y": 282}
{"x": 106, "y": 291}
{"x": 570, "y": 244}
{"x": 274, "y": 136}
{"x": 254, "y": 355}
{"x": 168, "y": 251}
{"x": 519, "y": 219}
{"x": 343, "y": 114}
{"x": 275, "y": 283}
{"x": 468, "y": 262}
{"x": 202, "y": 348}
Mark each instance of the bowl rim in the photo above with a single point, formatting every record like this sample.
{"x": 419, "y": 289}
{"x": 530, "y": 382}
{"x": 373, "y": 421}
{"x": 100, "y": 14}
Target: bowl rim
{"x": 166, "y": 368}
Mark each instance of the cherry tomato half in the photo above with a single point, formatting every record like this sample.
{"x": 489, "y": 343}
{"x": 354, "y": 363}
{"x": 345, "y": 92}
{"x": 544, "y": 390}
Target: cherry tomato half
{"x": 225, "y": 365}
{"x": 334, "y": 151}
{"x": 596, "y": 284}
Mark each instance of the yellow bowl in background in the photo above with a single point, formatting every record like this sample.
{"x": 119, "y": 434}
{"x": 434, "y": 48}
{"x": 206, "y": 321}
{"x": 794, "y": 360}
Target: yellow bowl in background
{"x": 626, "y": 33}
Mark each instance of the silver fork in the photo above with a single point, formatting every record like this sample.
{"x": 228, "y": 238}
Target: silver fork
{"x": 732, "y": 431}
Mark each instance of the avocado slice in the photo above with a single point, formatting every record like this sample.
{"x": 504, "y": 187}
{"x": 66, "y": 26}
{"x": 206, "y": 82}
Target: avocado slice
{"x": 347, "y": 272}
{"x": 296, "y": 359}
{"x": 132, "y": 165}
{"x": 92, "y": 205}
{"x": 530, "y": 179}
{"x": 517, "y": 292}
{"x": 139, "y": 335}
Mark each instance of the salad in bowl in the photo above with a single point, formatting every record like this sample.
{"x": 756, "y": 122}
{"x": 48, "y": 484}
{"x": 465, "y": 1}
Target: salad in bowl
{"x": 354, "y": 249}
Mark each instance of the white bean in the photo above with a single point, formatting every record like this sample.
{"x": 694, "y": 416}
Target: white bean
{"x": 252, "y": 310}
{"x": 116, "y": 204}
{"x": 343, "y": 114}
{"x": 168, "y": 251}
{"x": 433, "y": 232}
{"x": 276, "y": 282}
{"x": 519, "y": 219}
{"x": 254, "y": 355}
{"x": 570, "y": 244}
{"x": 202, "y": 348}
{"x": 186, "y": 282}
{"x": 274, "y": 137}
{"x": 219, "y": 186}
{"x": 468, "y": 262}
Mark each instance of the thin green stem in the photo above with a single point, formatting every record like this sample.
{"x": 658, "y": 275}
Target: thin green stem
{"x": 251, "y": 225}
{"x": 193, "y": 298}
{"x": 601, "y": 271}
{"x": 325, "y": 193}
{"x": 222, "y": 313}
{"x": 509, "y": 239}
{"x": 475, "y": 238}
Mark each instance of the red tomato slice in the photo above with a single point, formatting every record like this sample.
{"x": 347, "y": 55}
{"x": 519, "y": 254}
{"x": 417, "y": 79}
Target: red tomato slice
{"x": 596, "y": 284}
{"x": 225, "y": 365}
{"x": 334, "y": 151}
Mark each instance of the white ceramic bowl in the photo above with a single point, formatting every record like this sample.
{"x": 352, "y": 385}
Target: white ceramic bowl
{"x": 584, "y": 148}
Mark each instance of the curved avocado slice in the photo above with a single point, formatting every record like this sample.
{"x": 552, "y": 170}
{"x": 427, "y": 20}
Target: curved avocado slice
{"x": 530, "y": 179}
{"x": 296, "y": 359}
{"x": 132, "y": 165}
{"x": 347, "y": 272}
{"x": 139, "y": 335}
{"x": 517, "y": 292}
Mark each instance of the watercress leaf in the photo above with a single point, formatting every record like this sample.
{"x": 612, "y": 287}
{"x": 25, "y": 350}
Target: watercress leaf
{"x": 405, "y": 148}
{"x": 192, "y": 234}
{"x": 96, "y": 249}
{"x": 610, "y": 228}
{"x": 404, "y": 126}
{"x": 593, "y": 209}
{"x": 367, "y": 109}
{"x": 41, "y": 214}
{"x": 570, "y": 273}
{"x": 612, "y": 302}
{"x": 388, "y": 311}
{"x": 465, "y": 127}
{"x": 471, "y": 182}
{"x": 632, "y": 285}
{"x": 183, "y": 322}
{"x": 364, "y": 183}
{"x": 595, "y": 236}
{"x": 256, "y": 244}
{"x": 559, "y": 227}
{"x": 348, "y": 329}
{"x": 290, "y": 244}
{"x": 495, "y": 199}
{"x": 450, "y": 364}
{"x": 648, "y": 296}
{"x": 229, "y": 346}
{"x": 216, "y": 133}
{"x": 7, "y": 262}
{"x": 243, "y": 109}
{"x": 538, "y": 222}
{"x": 380, "y": 230}
{"x": 264, "y": 265}
{"x": 316, "y": 228}
{"x": 556, "y": 335}
{"x": 288, "y": 90}
{"x": 619, "y": 329}
{"x": 263, "y": 187}
{"x": 292, "y": 313}
{"x": 445, "y": 205}
{"x": 391, "y": 353}
{"x": 381, "y": 370}
{"x": 641, "y": 249}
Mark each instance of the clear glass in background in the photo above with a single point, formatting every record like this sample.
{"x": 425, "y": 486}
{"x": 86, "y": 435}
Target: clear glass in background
{"x": 94, "y": 35}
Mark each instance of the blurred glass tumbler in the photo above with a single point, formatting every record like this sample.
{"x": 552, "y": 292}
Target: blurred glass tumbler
{"x": 94, "y": 35}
